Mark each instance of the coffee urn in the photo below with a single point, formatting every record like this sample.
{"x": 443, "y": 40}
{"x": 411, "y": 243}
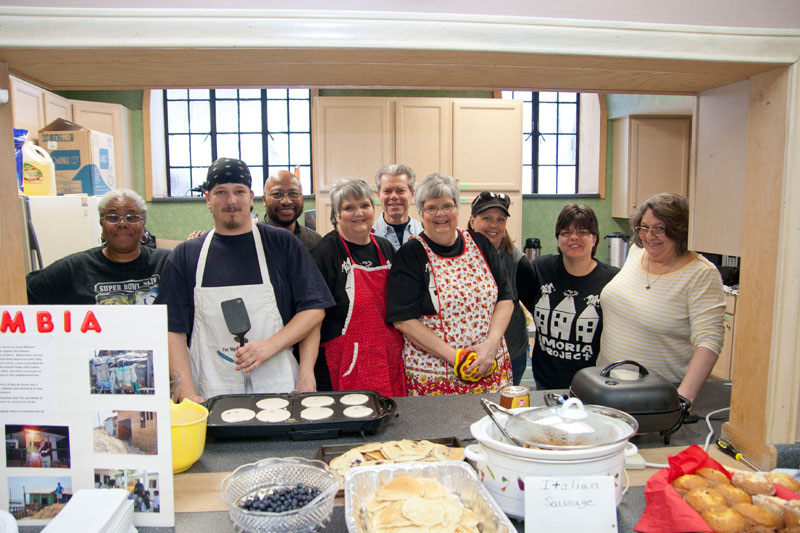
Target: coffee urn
{"x": 617, "y": 248}
{"x": 533, "y": 248}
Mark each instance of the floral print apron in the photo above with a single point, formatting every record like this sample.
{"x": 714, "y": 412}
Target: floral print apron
{"x": 465, "y": 293}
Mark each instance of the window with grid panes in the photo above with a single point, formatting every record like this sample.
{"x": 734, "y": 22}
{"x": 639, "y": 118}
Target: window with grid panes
{"x": 269, "y": 129}
{"x": 549, "y": 141}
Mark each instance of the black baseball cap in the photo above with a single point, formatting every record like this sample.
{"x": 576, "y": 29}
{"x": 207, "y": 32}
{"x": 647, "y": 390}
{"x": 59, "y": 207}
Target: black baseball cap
{"x": 228, "y": 170}
{"x": 487, "y": 200}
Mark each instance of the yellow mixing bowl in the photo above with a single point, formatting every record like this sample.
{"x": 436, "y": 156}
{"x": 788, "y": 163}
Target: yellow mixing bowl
{"x": 189, "y": 421}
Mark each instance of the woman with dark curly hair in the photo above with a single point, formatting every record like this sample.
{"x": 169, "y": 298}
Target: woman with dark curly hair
{"x": 665, "y": 308}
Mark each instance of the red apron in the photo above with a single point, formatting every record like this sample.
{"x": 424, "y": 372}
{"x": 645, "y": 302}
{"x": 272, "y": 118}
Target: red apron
{"x": 368, "y": 355}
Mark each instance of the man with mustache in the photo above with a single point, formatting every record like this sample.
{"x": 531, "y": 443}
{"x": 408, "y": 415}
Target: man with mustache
{"x": 269, "y": 269}
{"x": 283, "y": 199}
{"x": 396, "y": 190}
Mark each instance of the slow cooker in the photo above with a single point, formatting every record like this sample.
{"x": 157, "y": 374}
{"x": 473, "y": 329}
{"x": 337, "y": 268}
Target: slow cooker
{"x": 503, "y": 466}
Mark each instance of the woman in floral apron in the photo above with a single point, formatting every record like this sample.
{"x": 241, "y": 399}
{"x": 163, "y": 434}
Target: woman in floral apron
{"x": 447, "y": 290}
{"x": 359, "y": 350}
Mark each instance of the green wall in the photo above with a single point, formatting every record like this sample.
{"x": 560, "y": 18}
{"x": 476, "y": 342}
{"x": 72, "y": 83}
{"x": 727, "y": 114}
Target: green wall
{"x": 539, "y": 214}
{"x": 175, "y": 219}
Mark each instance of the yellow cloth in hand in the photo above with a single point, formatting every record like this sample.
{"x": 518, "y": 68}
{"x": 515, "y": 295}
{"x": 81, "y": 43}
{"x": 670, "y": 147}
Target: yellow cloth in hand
{"x": 463, "y": 360}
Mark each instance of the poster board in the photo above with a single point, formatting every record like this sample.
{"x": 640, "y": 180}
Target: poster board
{"x": 84, "y": 403}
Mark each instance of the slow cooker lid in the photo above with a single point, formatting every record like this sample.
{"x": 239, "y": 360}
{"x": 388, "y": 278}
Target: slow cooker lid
{"x": 572, "y": 425}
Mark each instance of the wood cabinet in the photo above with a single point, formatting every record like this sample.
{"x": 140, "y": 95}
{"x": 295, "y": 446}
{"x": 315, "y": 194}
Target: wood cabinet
{"x": 724, "y": 365}
{"x": 351, "y": 137}
{"x": 27, "y": 109}
{"x": 487, "y": 144}
{"x": 476, "y": 140}
{"x": 650, "y": 155}
{"x": 34, "y": 108}
{"x": 717, "y": 195}
{"x": 115, "y": 120}
{"x": 56, "y": 106}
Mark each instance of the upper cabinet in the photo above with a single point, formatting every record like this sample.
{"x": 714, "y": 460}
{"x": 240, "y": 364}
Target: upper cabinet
{"x": 476, "y": 140}
{"x": 718, "y": 193}
{"x": 422, "y": 134}
{"x": 650, "y": 155}
{"x": 115, "y": 120}
{"x": 487, "y": 149}
{"x": 27, "y": 108}
{"x": 34, "y": 108}
{"x": 352, "y": 137}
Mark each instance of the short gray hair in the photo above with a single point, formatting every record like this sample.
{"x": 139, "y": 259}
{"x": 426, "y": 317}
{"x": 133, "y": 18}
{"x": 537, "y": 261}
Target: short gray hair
{"x": 436, "y": 185}
{"x": 122, "y": 194}
{"x": 396, "y": 169}
{"x": 351, "y": 189}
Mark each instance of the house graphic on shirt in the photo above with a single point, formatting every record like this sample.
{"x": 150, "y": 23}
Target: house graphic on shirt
{"x": 586, "y": 324}
{"x": 563, "y": 316}
{"x": 541, "y": 311}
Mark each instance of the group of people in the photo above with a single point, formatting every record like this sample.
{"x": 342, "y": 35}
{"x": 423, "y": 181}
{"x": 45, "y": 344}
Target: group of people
{"x": 389, "y": 303}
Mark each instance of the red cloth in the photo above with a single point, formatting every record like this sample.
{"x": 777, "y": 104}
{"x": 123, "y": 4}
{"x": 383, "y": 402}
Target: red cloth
{"x": 665, "y": 511}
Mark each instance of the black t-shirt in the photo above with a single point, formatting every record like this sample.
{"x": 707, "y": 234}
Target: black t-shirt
{"x": 568, "y": 317}
{"x": 90, "y": 278}
{"x": 407, "y": 295}
{"x": 399, "y": 229}
{"x": 331, "y": 257}
{"x": 232, "y": 260}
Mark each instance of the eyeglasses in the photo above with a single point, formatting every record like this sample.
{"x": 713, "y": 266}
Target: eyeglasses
{"x": 658, "y": 231}
{"x": 485, "y": 196}
{"x": 114, "y": 218}
{"x": 446, "y": 209}
{"x": 279, "y": 194}
{"x": 567, "y": 233}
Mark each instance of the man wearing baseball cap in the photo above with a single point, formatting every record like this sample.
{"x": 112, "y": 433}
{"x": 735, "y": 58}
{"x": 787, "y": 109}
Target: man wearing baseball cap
{"x": 269, "y": 269}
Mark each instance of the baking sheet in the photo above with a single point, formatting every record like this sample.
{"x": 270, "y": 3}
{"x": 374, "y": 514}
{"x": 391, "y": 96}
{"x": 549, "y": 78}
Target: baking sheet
{"x": 457, "y": 477}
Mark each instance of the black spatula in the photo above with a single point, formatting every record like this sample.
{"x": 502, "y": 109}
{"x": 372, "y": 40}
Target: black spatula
{"x": 238, "y": 322}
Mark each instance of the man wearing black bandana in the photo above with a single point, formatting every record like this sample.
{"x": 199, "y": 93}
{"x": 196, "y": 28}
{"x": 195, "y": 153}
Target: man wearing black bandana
{"x": 269, "y": 269}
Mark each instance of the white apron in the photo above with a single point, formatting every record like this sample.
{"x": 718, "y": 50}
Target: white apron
{"x": 212, "y": 374}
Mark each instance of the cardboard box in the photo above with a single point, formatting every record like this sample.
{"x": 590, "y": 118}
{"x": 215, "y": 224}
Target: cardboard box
{"x": 84, "y": 159}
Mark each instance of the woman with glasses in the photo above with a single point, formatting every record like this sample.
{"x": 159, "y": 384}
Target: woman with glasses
{"x": 564, "y": 295}
{"x": 489, "y": 216}
{"x": 665, "y": 308}
{"x": 122, "y": 271}
{"x": 359, "y": 350}
{"x": 449, "y": 296}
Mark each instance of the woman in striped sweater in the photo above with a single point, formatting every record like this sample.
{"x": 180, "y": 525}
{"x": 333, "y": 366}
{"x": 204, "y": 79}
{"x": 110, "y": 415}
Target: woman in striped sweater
{"x": 665, "y": 307}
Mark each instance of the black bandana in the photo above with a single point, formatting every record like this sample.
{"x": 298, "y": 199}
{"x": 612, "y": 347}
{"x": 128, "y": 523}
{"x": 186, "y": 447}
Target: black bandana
{"x": 226, "y": 170}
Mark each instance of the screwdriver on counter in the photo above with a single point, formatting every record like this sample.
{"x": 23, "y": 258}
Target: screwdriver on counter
{"x": 727, "y": 448}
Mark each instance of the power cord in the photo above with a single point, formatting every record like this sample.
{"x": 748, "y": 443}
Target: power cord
{"x": 708, "y": 437}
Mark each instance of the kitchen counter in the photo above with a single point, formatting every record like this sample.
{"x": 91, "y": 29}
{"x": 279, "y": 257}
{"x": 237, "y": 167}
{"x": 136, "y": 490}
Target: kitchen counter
{"x": 420, "y": 418}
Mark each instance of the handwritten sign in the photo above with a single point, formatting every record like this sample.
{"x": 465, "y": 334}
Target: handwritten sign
{"x": 585, "y": 504}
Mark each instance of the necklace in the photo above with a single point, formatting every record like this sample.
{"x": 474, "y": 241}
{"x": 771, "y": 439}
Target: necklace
{"x": 647, "y": 273}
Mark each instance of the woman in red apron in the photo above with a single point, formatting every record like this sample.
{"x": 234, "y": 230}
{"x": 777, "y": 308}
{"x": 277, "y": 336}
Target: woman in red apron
{"x": 447, "y": 290}
{"x": 359, "y": 349}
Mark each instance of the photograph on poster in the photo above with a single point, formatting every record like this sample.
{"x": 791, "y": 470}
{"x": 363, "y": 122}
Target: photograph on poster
{"x": 127, "y": 432}
{"x": 122, "y": 372}
{"x": 38, "y": 498}
{"x": 37, "y": 446}
{"x": 142, "y": 486}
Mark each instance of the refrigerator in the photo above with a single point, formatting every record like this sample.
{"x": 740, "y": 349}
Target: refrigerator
{"x": 56, "y": 226}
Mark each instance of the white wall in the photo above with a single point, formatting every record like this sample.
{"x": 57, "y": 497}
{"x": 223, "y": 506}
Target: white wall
{"x": 739, "y": 13}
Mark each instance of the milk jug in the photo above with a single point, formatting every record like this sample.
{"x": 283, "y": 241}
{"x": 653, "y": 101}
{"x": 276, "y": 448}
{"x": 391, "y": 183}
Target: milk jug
{"x": 38, "y": 171}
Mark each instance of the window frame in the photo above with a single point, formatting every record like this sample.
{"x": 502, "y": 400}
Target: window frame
{"x": 159, "y": 124}
{"x": 535, "y": 165}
